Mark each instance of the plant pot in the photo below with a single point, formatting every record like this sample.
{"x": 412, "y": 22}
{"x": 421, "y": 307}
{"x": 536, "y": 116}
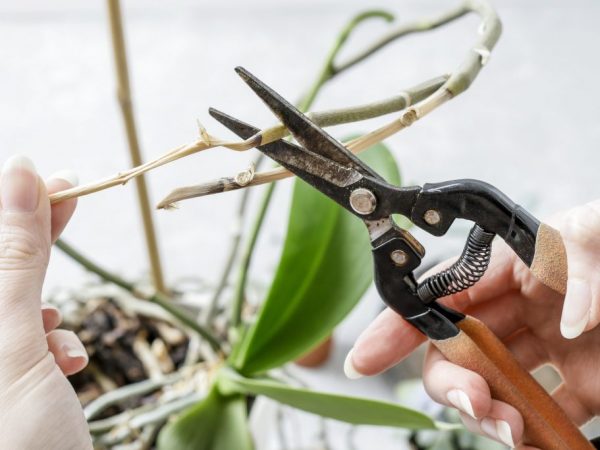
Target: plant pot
{"x": 318, "y": 355}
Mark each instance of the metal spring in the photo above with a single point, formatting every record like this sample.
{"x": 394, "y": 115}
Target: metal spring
{"x": 465, "y": 272}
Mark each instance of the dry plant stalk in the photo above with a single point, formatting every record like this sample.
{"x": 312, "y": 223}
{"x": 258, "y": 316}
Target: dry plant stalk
{"x": 324, "y": 119}
{"x": 460, "y": 80}
{"x": 124, "y": 97}
{"x": 455, "y": 84}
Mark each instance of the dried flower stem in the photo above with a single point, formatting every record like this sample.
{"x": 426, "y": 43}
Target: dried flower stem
{"x": 323, "y": 119}
{"x": 455, "y": 84}
{"x": 491, "y": 30}
{"x": 124, "y": 97}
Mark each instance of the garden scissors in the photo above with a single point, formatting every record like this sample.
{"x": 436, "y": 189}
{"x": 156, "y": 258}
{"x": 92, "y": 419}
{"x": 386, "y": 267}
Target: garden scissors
{"x": 328, "y": 166}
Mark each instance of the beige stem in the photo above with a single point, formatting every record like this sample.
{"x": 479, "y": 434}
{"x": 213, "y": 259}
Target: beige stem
{"x": 124, "y": 97}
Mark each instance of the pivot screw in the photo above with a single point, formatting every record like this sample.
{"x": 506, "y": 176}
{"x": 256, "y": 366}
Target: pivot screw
{"x": 399, "y": 257}
{"x": 363, "y": 201}
{"x": 432, "y": 217}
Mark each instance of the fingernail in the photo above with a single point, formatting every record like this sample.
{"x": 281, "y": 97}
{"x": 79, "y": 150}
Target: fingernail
{"x": 48, "y": 307}
{"x": 505, "y": 433}
{"x": 53, "y": 317}
{"x": 576, "y": 310}
{"x": 488, "y": 426}
{"x": 349, "y": 369}
{"x": 68, "y": 175}
{"x": 19, "y": 190}
{"x": 73, "y": 351}
{"x": 498, "y": 430}
{"x": 460, "y": 400}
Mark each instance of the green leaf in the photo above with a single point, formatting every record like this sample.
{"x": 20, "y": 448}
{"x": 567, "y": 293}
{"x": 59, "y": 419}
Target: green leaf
{"x": 347, "y": 409}
{"x": 216, "y": 423}
{"x": 324, "y": 270}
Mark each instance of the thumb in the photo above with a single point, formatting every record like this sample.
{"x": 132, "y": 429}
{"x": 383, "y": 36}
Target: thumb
{"x": 24, "y": 253}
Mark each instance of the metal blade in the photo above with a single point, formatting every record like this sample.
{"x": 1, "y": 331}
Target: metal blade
{"x": 309, "y": 135}
{"x": 242, "y": 129}
{"x": 312, "y": 168}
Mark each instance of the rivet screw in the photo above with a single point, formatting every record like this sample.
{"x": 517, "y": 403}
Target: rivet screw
{"x": 363, "y": 201}
{"x": 432, "y": 217}
{"x": 399, "y": 257}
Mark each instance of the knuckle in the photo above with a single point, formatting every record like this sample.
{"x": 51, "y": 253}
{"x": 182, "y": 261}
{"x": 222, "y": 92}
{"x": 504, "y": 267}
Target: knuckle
{"x": 20, "y": 248}
{"x": 476, "y": 384}
{"x": 583, "y": 220}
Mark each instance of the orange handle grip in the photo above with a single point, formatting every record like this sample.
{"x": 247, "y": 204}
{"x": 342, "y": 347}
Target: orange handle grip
{"x": 549, "y": 263}
{"x": 546, "y": 424}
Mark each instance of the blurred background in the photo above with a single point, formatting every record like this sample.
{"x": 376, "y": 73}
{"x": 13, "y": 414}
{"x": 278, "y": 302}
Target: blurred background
{"x": 529, "y": 123}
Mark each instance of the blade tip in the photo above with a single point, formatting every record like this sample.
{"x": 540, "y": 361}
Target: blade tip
{"x": 239, "y": 127}
{"x": 243, "y": 73}
{"x": 216, "y": 113}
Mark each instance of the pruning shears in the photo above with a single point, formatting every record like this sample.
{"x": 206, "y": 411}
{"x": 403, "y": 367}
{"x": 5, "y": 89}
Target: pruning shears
{"x": 328, "y": 166}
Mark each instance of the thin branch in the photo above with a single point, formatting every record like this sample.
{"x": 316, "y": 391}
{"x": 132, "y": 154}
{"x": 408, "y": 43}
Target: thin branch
{"x": 235, "y": 245}
{"x": 156, "y": 298}
{"x": 207, "y": 141}
{"x": 323, "y": 119}
{"x": 459, "y": 81}
{"x": 124, "y": 97}
{"x": 233, "y": 251}
{"x": 240, "y": 288}
{"x": 489, "y": 30}
{"x": 329, "y": 70}
{"x": 404, "y": 30}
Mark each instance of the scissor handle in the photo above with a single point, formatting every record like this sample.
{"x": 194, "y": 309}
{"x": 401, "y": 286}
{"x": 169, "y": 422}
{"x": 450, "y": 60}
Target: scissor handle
{"x": 438, "y": 205}
{"x": 549, "y": 264}
{"x": 478, "y": 349}
{"x": 538, "y": 245}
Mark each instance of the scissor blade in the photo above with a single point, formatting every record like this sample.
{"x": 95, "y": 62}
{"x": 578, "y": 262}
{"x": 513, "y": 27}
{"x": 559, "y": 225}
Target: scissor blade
{"x": 242, "y": 129}
{"x": 309, "y": 135}
{"x": 312, "y": 168}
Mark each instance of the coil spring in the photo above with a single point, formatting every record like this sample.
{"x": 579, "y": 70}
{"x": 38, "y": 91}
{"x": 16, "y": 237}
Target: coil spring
{"x": 465, "y": 272}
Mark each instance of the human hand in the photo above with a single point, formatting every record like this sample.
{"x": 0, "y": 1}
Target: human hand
{"x": 38, "y": 407}
{"x": 525, "y": 314}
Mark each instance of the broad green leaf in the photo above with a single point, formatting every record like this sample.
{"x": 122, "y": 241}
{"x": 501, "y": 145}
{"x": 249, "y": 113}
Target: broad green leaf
{"x": 325, "y": 268}
{"x": 347, "y": 409}
{"x": 216, "y": 423}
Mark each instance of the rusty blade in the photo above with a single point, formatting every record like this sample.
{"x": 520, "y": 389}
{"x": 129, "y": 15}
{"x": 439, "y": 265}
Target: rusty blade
{"x": 311, "y": 167}
{"x": 313, "y": 138}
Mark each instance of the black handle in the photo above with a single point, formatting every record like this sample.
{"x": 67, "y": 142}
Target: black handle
{"x": 481, "y": 203}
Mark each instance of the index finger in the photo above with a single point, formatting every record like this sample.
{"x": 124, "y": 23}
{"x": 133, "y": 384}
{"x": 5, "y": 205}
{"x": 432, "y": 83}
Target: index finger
{"x": 389, "y": 338}
{"x": 385, "y": 342}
